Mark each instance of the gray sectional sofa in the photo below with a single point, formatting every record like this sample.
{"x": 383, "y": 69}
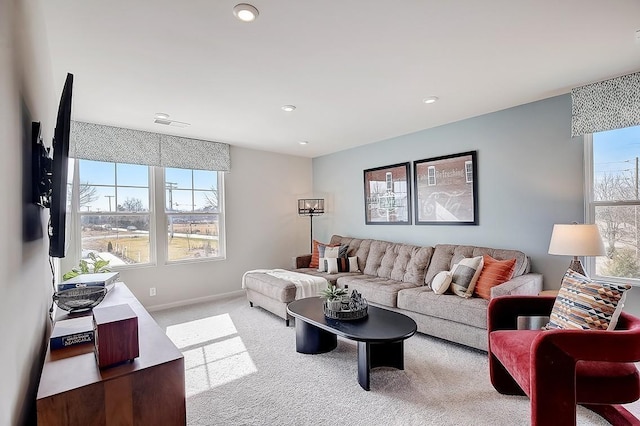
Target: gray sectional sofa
{"x": 397, "y": 276}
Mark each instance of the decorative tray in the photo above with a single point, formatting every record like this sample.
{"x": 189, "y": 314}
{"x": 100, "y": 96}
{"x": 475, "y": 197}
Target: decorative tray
{"x": 345, "y": 315}
{"x": 352, "y": 308}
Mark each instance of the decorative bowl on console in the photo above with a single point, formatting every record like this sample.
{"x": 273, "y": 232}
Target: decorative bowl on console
{"x": 79, "y": 299}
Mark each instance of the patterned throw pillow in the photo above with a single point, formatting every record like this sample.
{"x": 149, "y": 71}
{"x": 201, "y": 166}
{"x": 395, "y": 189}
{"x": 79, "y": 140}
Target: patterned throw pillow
{"x": 494, "y": 272}
{"x": 464, "y": 276}
{"x": 585, "y": 304}
{"x": 335, "y": 251}
{"x": 337, "y": 264}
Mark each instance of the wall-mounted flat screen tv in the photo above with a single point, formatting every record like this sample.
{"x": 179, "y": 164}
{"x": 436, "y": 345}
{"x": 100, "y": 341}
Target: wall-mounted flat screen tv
{"x": 58, "y": 207}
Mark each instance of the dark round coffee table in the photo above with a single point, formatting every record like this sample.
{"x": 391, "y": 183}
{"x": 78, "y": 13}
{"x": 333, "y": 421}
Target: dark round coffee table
{"x": 380, "y": 335}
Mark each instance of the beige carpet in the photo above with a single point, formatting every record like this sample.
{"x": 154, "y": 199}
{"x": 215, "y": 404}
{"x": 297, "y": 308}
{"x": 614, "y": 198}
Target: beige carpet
{"x": 242, "y": 369}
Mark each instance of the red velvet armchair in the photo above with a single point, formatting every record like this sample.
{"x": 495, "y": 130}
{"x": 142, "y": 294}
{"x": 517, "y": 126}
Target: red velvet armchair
{"x": 558, "y": 369}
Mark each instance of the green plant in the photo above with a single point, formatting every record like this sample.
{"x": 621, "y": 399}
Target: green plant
{"x": 333, "y": 293}
{"x": 94, "y": 266}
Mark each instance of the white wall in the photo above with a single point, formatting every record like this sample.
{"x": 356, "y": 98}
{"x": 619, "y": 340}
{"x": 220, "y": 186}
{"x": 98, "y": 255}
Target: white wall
{"x": 263, "y": 230}
{"x": 25, "y": 280}
{"x": 530, "y": 176}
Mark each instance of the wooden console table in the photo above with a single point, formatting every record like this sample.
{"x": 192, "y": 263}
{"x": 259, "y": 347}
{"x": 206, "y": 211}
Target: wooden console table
{"x": 148, "y": 391}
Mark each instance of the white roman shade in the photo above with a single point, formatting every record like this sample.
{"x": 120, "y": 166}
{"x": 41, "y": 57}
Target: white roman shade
{"x": 117, "y": 145}
{"x": 607, "y": 105}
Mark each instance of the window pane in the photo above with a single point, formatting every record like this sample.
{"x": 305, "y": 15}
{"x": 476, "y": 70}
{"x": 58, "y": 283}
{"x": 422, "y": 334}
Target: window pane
{"x": 619, "y": 229}
{"x": 182, "y": 201}
{"x": 192, "y": 236}
{"x": 97, "y": 172}
{"x": 133, "y": 175}
{"x": 178, "y": 178}
{"x": 615, "y": 164}
{"x": 133, "y": 199}
{"x": 119, "y": 239}
{"x": 205, "y": 201}
{"x": 203, "y": 179}
{"x": 97, "y": 198}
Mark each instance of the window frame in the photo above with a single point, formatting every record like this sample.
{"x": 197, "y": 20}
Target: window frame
{"x": 157, "y": 216}
{"x": 590, "y": 212}
{"x": 222, "y": 252}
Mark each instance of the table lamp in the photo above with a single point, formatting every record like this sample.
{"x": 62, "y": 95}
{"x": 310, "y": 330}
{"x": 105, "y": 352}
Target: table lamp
{"x": 576, "y": 240}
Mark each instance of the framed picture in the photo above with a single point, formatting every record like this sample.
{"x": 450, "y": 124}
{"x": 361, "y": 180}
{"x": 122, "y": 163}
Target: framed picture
{"x": 446, "y": 190}
{"x": 387, "y": 195}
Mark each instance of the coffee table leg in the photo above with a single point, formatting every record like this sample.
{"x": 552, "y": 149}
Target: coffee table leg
{"x": 313, "y": 340}
{"x": 364, "y": 367}
{"x": 371, "y": 355}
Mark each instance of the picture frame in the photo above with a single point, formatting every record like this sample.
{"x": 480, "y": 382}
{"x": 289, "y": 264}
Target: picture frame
{"x": 446, "y": 189}
{"x": 387, "y": 195}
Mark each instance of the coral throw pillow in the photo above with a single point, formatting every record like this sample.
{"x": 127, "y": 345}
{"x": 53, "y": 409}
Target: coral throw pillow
{"x": 493, "y": 273}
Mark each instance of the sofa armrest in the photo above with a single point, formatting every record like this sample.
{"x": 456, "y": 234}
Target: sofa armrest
{"x": 527, "y": 284}
{"x": 302, "y": 261}
{"x": 503, "y": 311}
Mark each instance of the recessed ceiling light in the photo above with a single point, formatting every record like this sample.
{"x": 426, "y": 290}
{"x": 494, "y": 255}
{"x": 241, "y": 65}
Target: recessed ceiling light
{"x": 303, "y": 142}
{"x": 288, "y": 108}
{"x": 430, "y": 99}
{"x": 162, "y": 115}
{"x": 245, "y": 12}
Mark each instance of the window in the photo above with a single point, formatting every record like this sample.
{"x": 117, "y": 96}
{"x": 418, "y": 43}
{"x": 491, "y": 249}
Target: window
{"x": 468, "y": 171}
{"x": 431, "y": 175}
{"x": 113, "y": 207}
{"x": 613, "y": 202}
{"x": 193, "y": 212}
{"x": 118, "y": 207}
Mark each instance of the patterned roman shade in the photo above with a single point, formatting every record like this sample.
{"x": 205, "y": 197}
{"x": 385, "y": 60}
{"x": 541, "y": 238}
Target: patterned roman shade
{"x": 117, "y": 145}
{"x": 607, "y": 105}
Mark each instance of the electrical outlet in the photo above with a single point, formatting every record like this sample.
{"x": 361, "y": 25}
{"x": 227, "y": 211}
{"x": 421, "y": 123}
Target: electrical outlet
{"x": 152, "y": 291}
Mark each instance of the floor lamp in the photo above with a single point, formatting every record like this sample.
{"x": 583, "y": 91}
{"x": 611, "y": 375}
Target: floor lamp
{"x": 311, "y": 207}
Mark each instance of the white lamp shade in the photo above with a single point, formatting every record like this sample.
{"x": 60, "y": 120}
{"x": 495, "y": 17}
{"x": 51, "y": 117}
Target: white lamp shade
{"x": 576, "y": 240}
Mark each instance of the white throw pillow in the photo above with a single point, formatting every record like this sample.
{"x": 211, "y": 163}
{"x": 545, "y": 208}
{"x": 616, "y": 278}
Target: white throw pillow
{"x": 465, "y": 275}
{"x": 332, "y": 265}
{"x": 331, "y": 252}
{"x": 441, "y": 282}
{"x": 322, "y": 265}
{"x": 353, "y": 264}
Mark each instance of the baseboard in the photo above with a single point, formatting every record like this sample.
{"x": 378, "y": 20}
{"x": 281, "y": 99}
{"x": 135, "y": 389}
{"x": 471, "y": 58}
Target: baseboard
{"x": 194, "y": 301}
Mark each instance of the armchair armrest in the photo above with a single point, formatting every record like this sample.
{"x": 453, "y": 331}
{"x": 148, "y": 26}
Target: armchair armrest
{"x": 503, "y": 311}
{"x": 302, "y": 261}
{"x": 620, "y": 345}
{"x": 527, "y": 284}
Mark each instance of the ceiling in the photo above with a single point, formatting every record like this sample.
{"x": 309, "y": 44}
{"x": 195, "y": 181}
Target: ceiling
{"x": 357, "y": 70}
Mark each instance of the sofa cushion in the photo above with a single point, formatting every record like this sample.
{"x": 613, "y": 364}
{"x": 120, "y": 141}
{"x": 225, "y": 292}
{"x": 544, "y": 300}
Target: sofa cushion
{"x": 357, "y": 247}
{"x": 446, "y": 255}
{"x": 373, "y": 263}
{"x": 422, "y": 300}
{"x": 382, "y": 291}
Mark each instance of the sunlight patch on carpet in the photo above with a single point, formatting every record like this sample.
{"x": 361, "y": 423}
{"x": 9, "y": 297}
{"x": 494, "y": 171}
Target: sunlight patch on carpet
{"x": 213, "y": 352}
{"x": 215, "y": 364}
{"x": 200, "y": 331}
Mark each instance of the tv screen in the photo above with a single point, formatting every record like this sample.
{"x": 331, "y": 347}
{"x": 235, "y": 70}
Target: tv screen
{"x": 58, "y": 209}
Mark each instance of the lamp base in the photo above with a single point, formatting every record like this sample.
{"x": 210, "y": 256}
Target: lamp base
{"x": 576, "y": 266}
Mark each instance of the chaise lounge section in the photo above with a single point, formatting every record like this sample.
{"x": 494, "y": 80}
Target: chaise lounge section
{"x": 398, "y": 277}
